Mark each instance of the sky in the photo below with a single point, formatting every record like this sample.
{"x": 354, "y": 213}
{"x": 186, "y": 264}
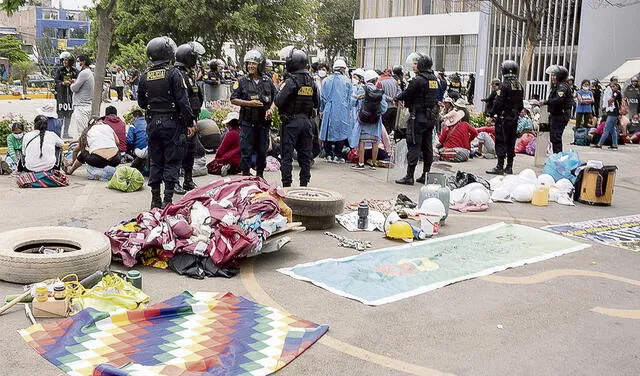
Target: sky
{"x": 74, "y": 4}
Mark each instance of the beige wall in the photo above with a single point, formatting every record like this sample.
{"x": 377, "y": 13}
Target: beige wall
{"x": 24, "y": 21}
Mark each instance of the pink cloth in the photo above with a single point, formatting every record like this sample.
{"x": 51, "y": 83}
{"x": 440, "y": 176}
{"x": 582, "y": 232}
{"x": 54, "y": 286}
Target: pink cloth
{"x": 231, "y": 205}
{"x": 469, "y": 207}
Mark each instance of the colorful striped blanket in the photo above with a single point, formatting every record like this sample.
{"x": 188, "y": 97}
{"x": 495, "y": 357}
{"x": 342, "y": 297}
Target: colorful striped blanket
{"x": 44, "y": 179}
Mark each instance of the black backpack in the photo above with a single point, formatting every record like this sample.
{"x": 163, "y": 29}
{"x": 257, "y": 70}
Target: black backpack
{"x": 370, "y": 111}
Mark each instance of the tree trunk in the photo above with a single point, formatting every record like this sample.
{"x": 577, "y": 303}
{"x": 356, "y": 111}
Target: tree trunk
{"x": 525, "y": 63}
{"x": 25, "y": 84}
{"x": 106, "y": 27}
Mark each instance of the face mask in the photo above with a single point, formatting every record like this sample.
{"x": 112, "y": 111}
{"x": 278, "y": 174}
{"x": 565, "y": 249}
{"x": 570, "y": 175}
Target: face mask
{"x": 78, "y": 66}
{"x": 322, "y": 73}
{"x": 355, "y": 81}
{"x": 585, "y": 88}
{"x": 19, "y": 136}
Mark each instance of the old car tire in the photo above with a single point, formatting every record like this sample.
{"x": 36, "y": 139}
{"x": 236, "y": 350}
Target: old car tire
{"x": 314, "y": 207}
{"x": 94, "y": 254}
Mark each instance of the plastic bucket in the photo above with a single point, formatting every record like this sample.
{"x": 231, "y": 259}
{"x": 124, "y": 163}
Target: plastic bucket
{"x": 430, "y": 224}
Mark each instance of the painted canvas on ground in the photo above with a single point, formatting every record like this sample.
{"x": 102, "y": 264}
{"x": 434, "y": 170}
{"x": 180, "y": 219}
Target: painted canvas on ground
{"x": 390, "y": 274}
{"x": 190, "y": 334}
{"x": 622, "y": 232}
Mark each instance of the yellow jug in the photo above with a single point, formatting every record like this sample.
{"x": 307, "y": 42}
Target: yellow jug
{"x": 540, "y": 196}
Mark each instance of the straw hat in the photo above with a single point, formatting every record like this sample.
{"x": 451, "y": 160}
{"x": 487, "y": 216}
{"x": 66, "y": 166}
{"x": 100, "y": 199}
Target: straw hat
{"x": 460, "y": 103}
{"x": 230, "y": 117}
{"x": 48, "y": 111}
{"x": 453, "y": 117}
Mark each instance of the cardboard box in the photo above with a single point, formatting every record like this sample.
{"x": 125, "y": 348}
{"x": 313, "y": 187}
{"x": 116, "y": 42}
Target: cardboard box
{"x": 51, "y": 308}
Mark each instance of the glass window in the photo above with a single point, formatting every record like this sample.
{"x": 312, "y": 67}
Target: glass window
{"x": 78, "y": 34}
{"x": 72, "y": 16}
{"x": 49, "y": 32}
{"x": 426, "y": 7}
{"x": 410, "y": 7}
{"x": 63, "y": 34}
{"x": 368, "y": 54}
{"x": 453, "y": 39}
{"x": 422, "y": 44}
{"x": 437, "y": 54}
{"x": 395, "y": 54}
{"x": 468, "y": 53}
{"x": 50, "y": 14}
{"x": 396, "y": 8}
{"x": 369, "y": 9}
{"x": 408, "y": 46}
{"x": 452, "y": 55}
{"x": 437, "y": 40}
{"x": 381, "y": 54}
{"x": 382, "y": 8}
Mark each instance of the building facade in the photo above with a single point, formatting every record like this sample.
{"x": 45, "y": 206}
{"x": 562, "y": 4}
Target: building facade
{"x": 472, "y": 36}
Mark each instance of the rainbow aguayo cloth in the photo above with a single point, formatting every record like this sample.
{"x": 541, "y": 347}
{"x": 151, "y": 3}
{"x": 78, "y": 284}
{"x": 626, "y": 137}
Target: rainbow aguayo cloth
{"x": 190, "y": 334}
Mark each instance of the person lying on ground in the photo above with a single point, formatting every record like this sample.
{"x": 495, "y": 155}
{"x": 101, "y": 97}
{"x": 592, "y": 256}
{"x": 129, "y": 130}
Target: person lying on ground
{"x": 42, "y": 149}
{"x": 227, "y": 159}
{"x": 455, "y": 139}
{"x": 98, "y": 147}
{"x": 14, "y": 146}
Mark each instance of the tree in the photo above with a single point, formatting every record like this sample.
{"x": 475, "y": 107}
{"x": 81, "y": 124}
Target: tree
{"x": 105, "y": 11}
{"x": 10, "y": 48}
{"x": 21, "y": 70}
{"x": 133, "y": 54}
{"x": 46, "y": 54}
{"x": 335, "y": 20}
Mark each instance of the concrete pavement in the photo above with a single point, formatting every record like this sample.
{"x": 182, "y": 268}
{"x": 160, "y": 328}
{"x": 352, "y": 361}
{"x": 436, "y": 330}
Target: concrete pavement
{"x": 548, "y": 328}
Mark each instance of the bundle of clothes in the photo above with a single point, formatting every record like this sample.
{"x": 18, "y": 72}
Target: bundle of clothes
{"x": 206, "y": 233}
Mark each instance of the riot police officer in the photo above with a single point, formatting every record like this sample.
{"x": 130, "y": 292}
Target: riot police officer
{"x": 560, "y": 103}
{"x": 214, "y": 76}
{"x": 507, "y": 106}
{"x": 254, "y": 93}
{"x": 187, "y": 56}
{"x": 398, "y": 74}
{"x": 455, "y": 88}
{"x": 64, "y": 95}
{"x": 421, "y": 99}
{"x": 296, "y": 101}
{"x": 163, "y": 94}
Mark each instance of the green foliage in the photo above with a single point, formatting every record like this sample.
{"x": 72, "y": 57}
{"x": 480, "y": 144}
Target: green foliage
{"x": 128, "y": 117}
{"x": 276, "y": 122}
{"x": 132, "y": 54}
{"x": 21, "y": 71}
{"x": 219, "y": 111}
{"x": 10, "y": 48}
{"x": 478, "y": 120}
{"x": 335, "y": 28}
{"x": 11, "y": 6}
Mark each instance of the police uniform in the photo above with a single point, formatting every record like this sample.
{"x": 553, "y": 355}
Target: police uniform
{"x": 64, "y": 96}
{"x": 254, "y": 130}
{"x": 195, "y": 102}
{"x": 507, "y": 106}
{"x": 296, "y": 102}
{"x": 560, "y": 103}
{"x": 162, "y": 93}
{"x": 421, "y": 99}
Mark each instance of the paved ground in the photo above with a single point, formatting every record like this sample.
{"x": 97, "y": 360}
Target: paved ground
{"x": 548, "y": 327}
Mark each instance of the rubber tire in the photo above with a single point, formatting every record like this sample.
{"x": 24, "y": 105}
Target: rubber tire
{"x": 316, "y": 223}
{"x": 328, "y": 203}
{"x": 25, "y": 268}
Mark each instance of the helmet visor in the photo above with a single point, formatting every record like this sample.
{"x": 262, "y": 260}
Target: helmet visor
{"x": 197, "y": 48}
{"x": 285, "y": 52}
{"x": 253, "y": 56}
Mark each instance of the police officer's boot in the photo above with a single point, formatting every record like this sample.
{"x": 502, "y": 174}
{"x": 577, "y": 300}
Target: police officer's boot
{"x": 408, "y": 179}
{"x": 304, "y": 183}
{"x": 168, "y": 197}
{"x": 188, "y": 183}
{"x": 156, "y": 199}
{"x": 179, "y": 190}
{"x": 423, "y": 178}
{"x": 260, "y": 174}
{"x": 509, "y": 169}
{"x": 499, "y": 169}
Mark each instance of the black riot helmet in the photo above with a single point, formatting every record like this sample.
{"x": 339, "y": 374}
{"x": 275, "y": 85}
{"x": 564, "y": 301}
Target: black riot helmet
{"x": 294, "y": 59}
{"x": 423, "y": 61}
{"x": 398, "y": 71}
{"x": 559, "y": 71}
{"x": 510, "y": 68}
{"x": 188, "y": 54}
{"x": 161, "y": 50}
{"x": 255, "y": 56}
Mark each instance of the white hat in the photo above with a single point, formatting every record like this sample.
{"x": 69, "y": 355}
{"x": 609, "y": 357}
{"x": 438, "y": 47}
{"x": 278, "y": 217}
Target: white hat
{"x": 231, "y": 116}
{"x": 358, "y": 72}
{"x": 48, "y": 111}
{"x": 339, "y": 64}
{"x": 448, "y": 100}
{"x": 460, "y": 103}
{"x": 370, "y": 75}
{"x": 453, "y": 117}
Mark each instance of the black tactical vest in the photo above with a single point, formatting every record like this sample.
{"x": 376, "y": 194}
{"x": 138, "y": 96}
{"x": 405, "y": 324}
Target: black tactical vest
{"x": 302, "y": 103}
{"x": 159, "y": 90}
{"x": 192, "y": 91}
{"x": 430, "y": 90}
{"x": 514, "y": 92}
{"x": 253, "y": 91}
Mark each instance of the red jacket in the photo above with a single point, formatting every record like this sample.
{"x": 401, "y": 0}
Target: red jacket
{"x": 120, "y": 128}
{"x": 490, "y": 130}
{"x": 461, "y": 138}
{"x": 229, "y": 150}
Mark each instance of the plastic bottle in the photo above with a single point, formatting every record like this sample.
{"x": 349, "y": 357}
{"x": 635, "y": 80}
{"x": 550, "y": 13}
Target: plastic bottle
{"x": 540, "y": 196}
{"x": 42, "y": 292}
{"x": 363, "y": 215}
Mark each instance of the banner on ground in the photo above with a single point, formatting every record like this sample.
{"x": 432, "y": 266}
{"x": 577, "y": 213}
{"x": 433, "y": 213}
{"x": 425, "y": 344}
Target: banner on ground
{"x": 390, "y": 274}
{"x": 621, "y": 232}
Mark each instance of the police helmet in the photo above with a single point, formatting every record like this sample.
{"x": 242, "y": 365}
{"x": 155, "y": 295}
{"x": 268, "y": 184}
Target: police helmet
{"x": 255, "y": 56}
{"x": 338, "y": 64}
{"x": 495, "y": 81}
{"x": 187, "y": 54}
{"x": 294, "y": 59}
{"x": 559, "y": 71}
{"x": 268, "y": 63}
{"x": 423, "y": 61}
{"x": 161, "y": 50}
{"x": 510, "y": 67}
{"x": 613, "y": 78}
{"x": 397, "y": 70}
{"x": 570, "y": 78}
{"x": 634, "y": 79}
{"x": 455, "y": 77}
{"x": 65, "y": 55}
{"x": 217, "y": 65}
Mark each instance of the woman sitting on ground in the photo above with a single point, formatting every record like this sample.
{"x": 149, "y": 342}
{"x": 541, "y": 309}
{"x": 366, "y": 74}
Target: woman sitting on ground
{"x": 455, "y": 139}
{"x": 227, "y": 160}
{"x": 487, "y": 140}
{"x": 98, "y": 147}
{"x": 41, "y": 148}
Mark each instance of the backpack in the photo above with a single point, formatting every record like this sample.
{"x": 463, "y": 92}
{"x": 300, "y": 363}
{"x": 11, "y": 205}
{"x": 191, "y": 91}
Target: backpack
{"x": 581, "y": 137}
{"x": 370, "y": 111}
